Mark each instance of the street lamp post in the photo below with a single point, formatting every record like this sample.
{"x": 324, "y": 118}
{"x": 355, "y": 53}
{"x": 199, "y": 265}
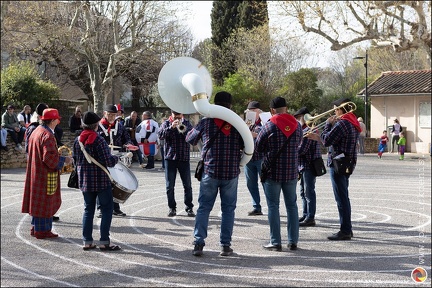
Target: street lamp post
{"x": 366, "y": 88}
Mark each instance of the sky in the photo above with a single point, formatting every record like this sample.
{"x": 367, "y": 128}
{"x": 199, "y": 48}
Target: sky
{"x": 199, "y": 22}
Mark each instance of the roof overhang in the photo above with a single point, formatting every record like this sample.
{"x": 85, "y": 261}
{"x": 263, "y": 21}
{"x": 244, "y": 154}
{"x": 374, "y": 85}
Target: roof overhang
{"x": 398, "y": 95}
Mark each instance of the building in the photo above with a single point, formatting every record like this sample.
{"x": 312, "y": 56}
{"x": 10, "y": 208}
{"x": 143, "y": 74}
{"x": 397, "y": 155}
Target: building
{"x": 406, "y": 96}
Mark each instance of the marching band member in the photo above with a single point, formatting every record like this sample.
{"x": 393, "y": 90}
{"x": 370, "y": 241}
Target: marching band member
{"x": 340, "y": 134}
{"x": 253, "y": 167}
{"x": 114, "y": 134}
{"x": 146, "y": 133}
{"x": 177, "y": 158}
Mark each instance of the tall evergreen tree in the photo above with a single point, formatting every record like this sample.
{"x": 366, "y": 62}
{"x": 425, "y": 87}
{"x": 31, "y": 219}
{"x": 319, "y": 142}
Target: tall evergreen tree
{"x": 226, "y": 17}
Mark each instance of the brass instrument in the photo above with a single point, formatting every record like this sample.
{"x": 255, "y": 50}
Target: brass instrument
{"x": 62, "y": 151}
{"x": 311, "y": 120}
{"x": 181, "y": 128}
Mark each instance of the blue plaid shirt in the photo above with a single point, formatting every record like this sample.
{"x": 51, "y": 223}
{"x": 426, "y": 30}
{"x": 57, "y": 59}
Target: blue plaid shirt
{"x": 269, "y": 141}
{"x": 120, "y": 138}
{"x": 91, "y": 178}
{"x": 342, "y": 137}
{"x": 222, "y": 160}
{"x": 308, "y": 150}
{"x": 175, "y": 147}
{"x": 257, "y": 155}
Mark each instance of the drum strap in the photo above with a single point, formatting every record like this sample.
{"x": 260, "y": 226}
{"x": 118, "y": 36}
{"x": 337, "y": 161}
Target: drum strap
{"x": 90, "y": 159}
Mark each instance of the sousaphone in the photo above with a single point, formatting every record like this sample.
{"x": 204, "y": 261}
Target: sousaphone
{"x": 185, "y": 86}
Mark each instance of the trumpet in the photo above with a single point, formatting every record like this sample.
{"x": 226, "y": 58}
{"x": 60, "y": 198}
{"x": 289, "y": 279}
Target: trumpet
{"x": 311, "y": 120}
{"x": 181, "y": 128}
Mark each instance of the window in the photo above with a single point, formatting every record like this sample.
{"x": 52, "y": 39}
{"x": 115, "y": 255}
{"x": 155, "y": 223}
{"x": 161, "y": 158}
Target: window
{"x": 425, "y": 115}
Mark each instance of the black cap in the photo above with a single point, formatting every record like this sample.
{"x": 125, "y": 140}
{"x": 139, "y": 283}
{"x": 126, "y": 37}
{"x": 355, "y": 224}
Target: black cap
{"x": 40, "y": 108}
{"x": 110, "y": 108}
{"x": 278, "y": 102}
{"x": 253, "y": 105}
{"x": 10, "y": 107}
{"x": 301, "y": 111}
{"x": 90, "y": 118}
{"x": 223, "y": 97}
{"x": 341, "y": 101}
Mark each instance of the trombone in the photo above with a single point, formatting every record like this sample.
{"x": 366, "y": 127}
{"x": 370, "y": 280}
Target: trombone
{"x": 311, "y": 120}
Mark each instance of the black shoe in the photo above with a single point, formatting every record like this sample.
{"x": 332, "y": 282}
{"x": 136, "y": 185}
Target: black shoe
{"x": 119, "y": 213}
{"x": 5, "y": 148}
{"x": 272, "y": 247}
{"x": 340, "y": 236}
{"x": 307, "y": 222}
{"x": 172, "y": 213}
{"x": 56, "y": 218}
{"x": 292, "y": 246}
{"x": 301, "y": 219}
{"x": 198, "y": 250}
{"x": 226, "y": 251}
{"x": 99, "y": 214}
{"x": 254, "y": 213}
{"x": 190, "y": 212}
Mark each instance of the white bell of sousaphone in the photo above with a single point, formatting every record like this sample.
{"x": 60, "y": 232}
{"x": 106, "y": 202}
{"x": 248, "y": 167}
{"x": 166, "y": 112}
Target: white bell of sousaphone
{"x": 185, "y": 85}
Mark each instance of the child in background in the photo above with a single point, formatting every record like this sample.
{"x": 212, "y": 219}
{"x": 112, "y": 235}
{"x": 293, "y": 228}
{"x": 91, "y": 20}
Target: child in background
{"x": 401, "y": 142}
{"x": 383, "y": 144}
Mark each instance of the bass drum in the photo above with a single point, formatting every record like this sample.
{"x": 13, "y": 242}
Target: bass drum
{"x": 124, "y": 182}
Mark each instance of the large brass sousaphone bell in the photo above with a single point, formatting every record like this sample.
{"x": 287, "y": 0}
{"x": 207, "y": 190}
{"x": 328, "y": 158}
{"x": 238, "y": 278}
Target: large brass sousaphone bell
{"x": 185, "y": 86}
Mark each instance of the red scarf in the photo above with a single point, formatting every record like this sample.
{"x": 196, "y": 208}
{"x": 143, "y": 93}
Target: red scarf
{"x": 350, "y": 117}
{"x": 226, "y": 129}
{"x": 285, "y": 122}
{"x": 87, "y": 137}
{"x": 105, "y": 122}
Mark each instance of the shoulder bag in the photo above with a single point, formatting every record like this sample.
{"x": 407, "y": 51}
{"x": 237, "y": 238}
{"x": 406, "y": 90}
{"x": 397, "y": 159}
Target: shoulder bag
{"x": 318, "y": 166}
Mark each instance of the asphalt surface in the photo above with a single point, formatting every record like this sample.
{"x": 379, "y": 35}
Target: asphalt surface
{"x": 391, "y": 213}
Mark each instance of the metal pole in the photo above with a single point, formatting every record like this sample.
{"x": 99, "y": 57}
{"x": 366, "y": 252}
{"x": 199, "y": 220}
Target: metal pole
{"x": 366, "y": 94}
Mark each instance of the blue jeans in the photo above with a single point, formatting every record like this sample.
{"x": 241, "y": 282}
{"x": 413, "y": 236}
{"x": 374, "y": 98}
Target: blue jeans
{"x": 106, "y": 205}
{"x": 183, "y": 168}
{"x": 272, "y": 191}
{"x": 228, "y": 194}
{"x": 138, "y": 152}
{"x": 162, "y": 151}
{"x": 340, "y": 185}
{"x": 307, "y": 193}
{"x": 252, "y": 171}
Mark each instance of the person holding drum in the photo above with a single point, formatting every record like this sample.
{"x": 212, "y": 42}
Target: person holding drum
{"x": 95, "y": 191}
{"x": 177, "y": 158}
{"x": 115, "y": 136}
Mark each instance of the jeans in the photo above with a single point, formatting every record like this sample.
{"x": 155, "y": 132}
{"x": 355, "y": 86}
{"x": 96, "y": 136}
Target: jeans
{"x": 116, "y": 206}
{"x": 307, "y": 193}
{"x": 361, "y": 144}
{"x": 228, "y": 194}
{"x": 162, "y": 151}
{"x": 106, "y": 205}
{"x": 17, "y": 137}
{"x": 183, "y": 168}
{"x": 3, "y": 137}
{"x": 395, "y": 139}
{"x": 272, "y": 191}
{"x": 340, "y": 185}
{"x": 252, "y": 171}
{"x": 138, "y": 152}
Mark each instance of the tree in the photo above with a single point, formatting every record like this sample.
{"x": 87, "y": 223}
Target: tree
{"x": 21, "y": 85}
{"x": 404, "y": 25}
{"x": 104, "y": 35}
{"x": 301, "y": 89}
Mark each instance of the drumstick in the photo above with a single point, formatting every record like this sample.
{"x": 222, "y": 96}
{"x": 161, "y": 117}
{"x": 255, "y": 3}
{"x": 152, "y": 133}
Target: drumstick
{"x": 115, "y": 147}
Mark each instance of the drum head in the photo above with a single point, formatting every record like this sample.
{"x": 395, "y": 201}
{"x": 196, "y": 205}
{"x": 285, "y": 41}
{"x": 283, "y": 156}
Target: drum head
{"x": 124, "y": 177}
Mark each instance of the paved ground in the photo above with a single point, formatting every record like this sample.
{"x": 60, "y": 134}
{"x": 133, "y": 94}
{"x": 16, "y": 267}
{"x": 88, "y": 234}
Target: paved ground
{"x": 391, "y": 211}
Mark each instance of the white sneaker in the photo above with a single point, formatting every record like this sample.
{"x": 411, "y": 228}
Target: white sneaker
{"x": 161, "y": 169}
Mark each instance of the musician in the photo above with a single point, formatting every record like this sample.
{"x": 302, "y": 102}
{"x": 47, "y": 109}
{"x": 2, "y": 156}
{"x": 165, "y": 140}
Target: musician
{"x": 177, "y": 158}
{"x": 221, "y": 172}
{"x": 308, "y": 151}
{"x": 341, "y": 133}
{"x": 253, "y": 167}
{"x": 34, "y": 123}
{"x": 131, "y": 123}
{"x": 94, "y": 183}
{"x": 42, "y": 196}
{"x": 279, "y": 139}
{"x": 146, "y": 133}
{"x": 75, "y": 121}
{"x": 114, "y": 134}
